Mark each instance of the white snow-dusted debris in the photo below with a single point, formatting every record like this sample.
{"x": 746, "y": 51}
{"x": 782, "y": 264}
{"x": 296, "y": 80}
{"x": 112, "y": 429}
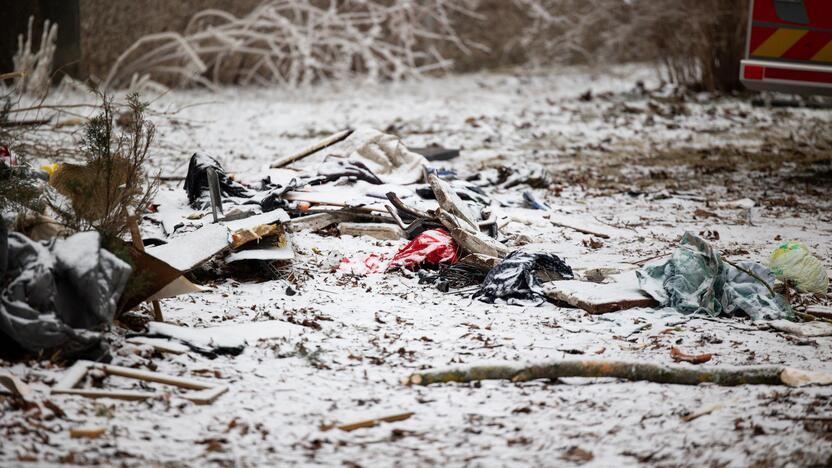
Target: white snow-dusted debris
{"x": 650, "y": 164}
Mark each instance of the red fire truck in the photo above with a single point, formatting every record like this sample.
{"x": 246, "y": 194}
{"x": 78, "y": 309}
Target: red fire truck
{"x": 789, "y": 47}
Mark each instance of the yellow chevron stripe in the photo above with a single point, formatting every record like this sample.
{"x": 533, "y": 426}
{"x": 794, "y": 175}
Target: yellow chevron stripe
{"x": 825, "y": 54}
{"x": 779, "y": 42}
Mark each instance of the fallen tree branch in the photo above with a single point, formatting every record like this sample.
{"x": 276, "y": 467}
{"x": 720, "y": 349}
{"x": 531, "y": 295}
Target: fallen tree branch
{"x": 633, "y": 371}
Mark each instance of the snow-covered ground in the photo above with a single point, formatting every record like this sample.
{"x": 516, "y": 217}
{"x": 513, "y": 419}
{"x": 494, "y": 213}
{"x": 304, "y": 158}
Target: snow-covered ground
{"x": 646, "y": 161}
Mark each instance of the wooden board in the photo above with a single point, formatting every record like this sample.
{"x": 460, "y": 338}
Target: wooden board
{"x": 598, "y": 298}
{"x": 379, "y": 231}
{"x": 188, "y": 251}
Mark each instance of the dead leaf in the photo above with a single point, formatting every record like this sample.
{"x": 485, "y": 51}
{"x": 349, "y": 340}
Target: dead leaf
{"x": 679, "y": 356}
{"x": 87, "y": 432}
{"x": 577, "y": 455}
{"x": 593, "y": 243}
{"x": 702, "y": 214}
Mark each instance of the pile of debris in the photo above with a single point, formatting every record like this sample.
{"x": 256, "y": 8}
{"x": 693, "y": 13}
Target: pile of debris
{"x": 61, "y": 290}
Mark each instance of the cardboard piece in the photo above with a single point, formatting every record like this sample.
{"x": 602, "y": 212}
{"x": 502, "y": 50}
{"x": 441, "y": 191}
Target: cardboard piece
{"x": 598, "y": 298}
{"x": 193, "y": 249}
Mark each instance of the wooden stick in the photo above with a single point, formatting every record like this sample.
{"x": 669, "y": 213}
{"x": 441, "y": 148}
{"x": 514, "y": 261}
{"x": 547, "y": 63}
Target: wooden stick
{"x": 326, "y": 143}
{"x": 633, "y": 371}
{"x": 207, "y": 393}
{"x": 87, "y": 432}
{"x": 577, "y": 228}
{"x": 374, "y": 422}
{"x": 149, "y": 376}
{"x": 138, "y": 244}
{"x": 129, "y": 395}
{"x": 10, "y": 75}
{"x": 214, "y": 192}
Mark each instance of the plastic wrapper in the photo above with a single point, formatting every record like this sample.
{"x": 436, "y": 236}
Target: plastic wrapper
{"x": 793, "y": 262}
{"x": 196, "y": 181}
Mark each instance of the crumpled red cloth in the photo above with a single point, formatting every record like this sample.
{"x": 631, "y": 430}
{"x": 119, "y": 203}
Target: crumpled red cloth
{"x": 373, "y": 263}
{"x": 431, "y": 247}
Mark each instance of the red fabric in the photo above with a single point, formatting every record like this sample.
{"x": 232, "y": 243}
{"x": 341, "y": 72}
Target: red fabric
{"x": 433, "y": 247}
{"x": 6, "y": 157}
{"x": 373, "y": 263}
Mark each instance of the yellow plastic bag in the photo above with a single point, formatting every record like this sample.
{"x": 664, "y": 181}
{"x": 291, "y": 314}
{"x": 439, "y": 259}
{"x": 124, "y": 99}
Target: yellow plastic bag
{"x": 792, "y": 261}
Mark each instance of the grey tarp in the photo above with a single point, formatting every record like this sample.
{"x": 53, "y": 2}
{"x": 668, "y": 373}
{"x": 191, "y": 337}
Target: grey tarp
{"x": 696, "y": 280}
{"x": 53, "y": 296}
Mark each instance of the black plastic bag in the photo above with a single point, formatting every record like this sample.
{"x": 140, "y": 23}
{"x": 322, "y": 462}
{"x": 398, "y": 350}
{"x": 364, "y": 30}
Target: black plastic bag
{"x": 196, "y": 182}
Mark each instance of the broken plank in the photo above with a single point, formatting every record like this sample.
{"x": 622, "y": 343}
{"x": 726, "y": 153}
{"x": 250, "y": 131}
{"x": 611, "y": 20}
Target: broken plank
{"x": 452, "y": 203}
{"x": 379, "y": 231}
{"x": 73, "y": 376}
{"x": 598, "y": 298}
{"x": 315, "y": 222}
{"x": 207, "y": 396}
{"x": 188, "y": 251}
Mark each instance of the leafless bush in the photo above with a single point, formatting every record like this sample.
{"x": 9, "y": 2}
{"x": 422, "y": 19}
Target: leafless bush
{"x": 295, "y": 42}
{"x": 36, "y": 67}
{"x": 697, "y": 44}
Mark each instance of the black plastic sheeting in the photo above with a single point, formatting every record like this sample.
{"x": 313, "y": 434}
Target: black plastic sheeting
{"x": 448, "y": 277}
{"x": 353, "y": 170}
{"x": 196, "y": 182}
{"x": 517, "y": 278}
{"x": 58, "y": 296}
